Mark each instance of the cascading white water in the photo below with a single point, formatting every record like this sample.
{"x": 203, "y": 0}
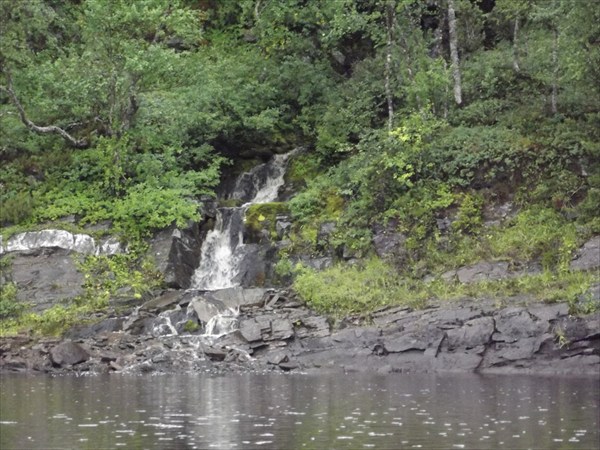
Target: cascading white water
{"x": 221, "y": 253}
{"x": 221, "y": 324}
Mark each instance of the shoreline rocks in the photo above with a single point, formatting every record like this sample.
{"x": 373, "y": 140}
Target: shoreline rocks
{"x": 279, "y": 333}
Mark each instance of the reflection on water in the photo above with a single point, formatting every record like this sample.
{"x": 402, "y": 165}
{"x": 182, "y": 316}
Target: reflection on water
{"x": 299, "y": 411}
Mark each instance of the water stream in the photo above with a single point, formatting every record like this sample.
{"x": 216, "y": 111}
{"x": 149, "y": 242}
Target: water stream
{"x": 223, "y": 249}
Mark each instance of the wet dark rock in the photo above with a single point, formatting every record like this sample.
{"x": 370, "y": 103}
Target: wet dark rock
{"x": 513, "y": 324}
{"x": 177, "y": 253}
{"x": 68, "y": 353}
{"x": 138, "y": 323}
{"x": 320, "y": 263}
{"x": 456, "y": 337}
{"x": 215, "y": 354}
{"x": 283, "y": 225}
{"x": 105, "y": 326}
{"x": 326, "y": 230}
{"x": 288, "y": 365}
{"x": 390, "y": 245}
{"x": 472, "y": 334}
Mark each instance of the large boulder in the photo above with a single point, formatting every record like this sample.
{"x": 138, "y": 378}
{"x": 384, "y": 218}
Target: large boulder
{"x": 177, "y": 254}
{"x": 68, "y": 353}
{"x": 44, "y": 279}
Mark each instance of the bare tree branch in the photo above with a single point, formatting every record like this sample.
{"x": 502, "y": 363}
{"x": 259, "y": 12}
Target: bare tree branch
{"x": 50, "y": 129}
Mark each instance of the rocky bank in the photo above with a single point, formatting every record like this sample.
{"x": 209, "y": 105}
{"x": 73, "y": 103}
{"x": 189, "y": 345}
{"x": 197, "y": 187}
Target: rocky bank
{"x": 274, "y": 331}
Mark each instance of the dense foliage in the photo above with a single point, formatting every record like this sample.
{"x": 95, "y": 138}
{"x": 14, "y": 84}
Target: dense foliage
{"x": 130, "y": 111}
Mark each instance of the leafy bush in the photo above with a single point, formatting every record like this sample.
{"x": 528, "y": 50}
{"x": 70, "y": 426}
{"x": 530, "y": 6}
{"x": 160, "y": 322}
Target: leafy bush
{"x": 10, "y": 307}
{"x": 537, "y": 233}
{"x": 475, "y": 156}
{"x": 469, "y": 217}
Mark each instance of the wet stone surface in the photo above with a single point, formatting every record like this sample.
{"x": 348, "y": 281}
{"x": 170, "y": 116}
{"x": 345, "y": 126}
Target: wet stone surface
{"x": 278, "y": 333}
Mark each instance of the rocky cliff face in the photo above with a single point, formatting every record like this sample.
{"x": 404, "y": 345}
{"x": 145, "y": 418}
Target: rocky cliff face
{"x": 42, "y": 266}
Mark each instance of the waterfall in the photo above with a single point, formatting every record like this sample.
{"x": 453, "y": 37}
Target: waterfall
{"x": 222, "y": 250}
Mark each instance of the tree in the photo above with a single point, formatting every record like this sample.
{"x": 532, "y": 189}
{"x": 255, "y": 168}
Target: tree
{"x": 455, "y": 61}
{"x": 111, "y": 53}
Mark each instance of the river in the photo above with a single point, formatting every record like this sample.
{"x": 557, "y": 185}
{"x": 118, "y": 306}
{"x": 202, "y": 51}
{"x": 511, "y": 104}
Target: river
{"x": 315, "y": 411}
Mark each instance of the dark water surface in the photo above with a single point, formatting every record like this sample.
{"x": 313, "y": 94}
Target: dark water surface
{"x": 299, "y": 411}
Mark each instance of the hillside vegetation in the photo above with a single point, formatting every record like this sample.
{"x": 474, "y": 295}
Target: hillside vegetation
{"x": 411, "y": 113}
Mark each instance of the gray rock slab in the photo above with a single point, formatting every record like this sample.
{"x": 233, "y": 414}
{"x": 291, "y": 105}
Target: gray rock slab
{"x": 504, "y": 352}
{"x": 588, "y": 256}
{"x": 235, "y": 297}
{"x": 68, "y": 353}
{"x": 163, "y": 302}
{"x": 483, "y": 271}
{"x": 207, "y": 308}
{"x": 459, "y": 361}
{"x": 473, "y": 333}
{"x": 513, "y": 324}
{"x": 422, "y": 339}
{"x": 280, "y": 329}
{"x": 176, "y": 253}
{"x": 45, "y": 279}
{"x": 549, "y": 312}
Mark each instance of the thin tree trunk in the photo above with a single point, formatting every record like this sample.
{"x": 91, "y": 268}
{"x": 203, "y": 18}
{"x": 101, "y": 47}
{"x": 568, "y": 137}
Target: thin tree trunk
{"x": 388, "y": 64}
{"x": 454, "y": 53}
{"x": 554, "y": 97}
{"x": 516, "y": 65}
{"x": 405, "y": 48}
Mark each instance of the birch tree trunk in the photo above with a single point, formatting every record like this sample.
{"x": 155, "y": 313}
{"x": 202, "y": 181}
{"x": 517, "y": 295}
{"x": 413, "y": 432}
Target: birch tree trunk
{"x": 554, "y": 96}
{"x": 516, "y": 65}
{"x": 455, "y": 62}
{"x": 388, "y": 63}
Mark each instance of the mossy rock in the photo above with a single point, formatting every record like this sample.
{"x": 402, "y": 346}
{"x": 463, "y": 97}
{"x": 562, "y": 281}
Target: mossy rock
{"x": 263, "y": 217}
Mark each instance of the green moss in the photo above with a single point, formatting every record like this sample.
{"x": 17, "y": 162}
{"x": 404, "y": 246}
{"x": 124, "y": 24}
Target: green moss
{"x": 191, "y": 326}
{"x": 263, "y": 216}
{"x": 334, "y": 205}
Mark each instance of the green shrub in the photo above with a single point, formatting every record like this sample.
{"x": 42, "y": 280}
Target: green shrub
{"x": 342, "y": 290}
{"x": 537, "y": 233}
{"x": 464, "y": 156}
{"x": 10, "y": 307}
{"x": 17, "y": 207}
{"x": 470, "y": 214}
